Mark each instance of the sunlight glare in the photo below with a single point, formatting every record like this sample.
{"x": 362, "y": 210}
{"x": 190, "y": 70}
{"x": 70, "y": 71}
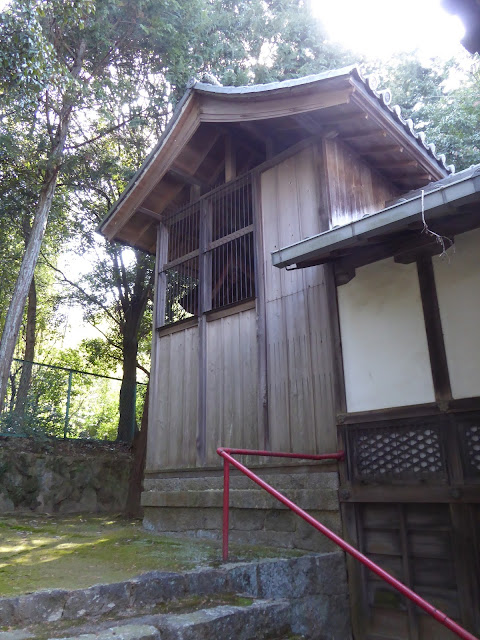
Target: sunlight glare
{"x": 380, "y": 29}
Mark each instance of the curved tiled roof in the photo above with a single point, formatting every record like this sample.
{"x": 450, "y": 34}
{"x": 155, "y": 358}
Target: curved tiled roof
{"x": 342, "y": 103}
{"x": 370, "y": 82}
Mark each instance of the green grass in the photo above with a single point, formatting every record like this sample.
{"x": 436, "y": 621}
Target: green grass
{"x": 73, "y": 552}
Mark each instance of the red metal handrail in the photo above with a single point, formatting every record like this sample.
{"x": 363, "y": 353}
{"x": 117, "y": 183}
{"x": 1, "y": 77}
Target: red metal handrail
{"x": 226, "y": 454}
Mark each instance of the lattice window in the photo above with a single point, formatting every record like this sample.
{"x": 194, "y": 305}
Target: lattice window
{"x": 470, "y": 441}
{"x": 182, "y": 269}
{"x": 473, "y": 446}
{"x": 210, "y": 261}
{"x": 231, "y": 245}
{"x": 406, "y": 452}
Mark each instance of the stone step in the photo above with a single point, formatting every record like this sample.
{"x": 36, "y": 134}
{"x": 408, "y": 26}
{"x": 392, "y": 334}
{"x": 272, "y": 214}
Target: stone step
{"x": 325, "y": 500}
{"x": 314, "y": 480}
{"x": 259, "y": 620}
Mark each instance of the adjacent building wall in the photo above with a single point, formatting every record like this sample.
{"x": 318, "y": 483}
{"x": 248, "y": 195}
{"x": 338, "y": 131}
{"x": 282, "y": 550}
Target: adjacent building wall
{"x": 457, "y": 279}
{"x": 384, "y": 344}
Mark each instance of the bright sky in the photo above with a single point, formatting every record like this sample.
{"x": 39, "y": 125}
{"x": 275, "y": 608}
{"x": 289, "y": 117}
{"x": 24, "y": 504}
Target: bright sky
{"x": 380, "y": 28}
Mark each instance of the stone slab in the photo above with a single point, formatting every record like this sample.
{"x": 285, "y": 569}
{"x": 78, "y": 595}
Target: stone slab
{"x": 124, "y": 632}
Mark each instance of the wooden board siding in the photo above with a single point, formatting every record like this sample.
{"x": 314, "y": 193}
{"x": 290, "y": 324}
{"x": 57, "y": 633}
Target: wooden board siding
{"x": 173, "y": 420}
{"x": 231, "y": 384}
{"x": 355, "y": 189}
{"x": 300, "y": 380}
{"x": 421, "y": 545}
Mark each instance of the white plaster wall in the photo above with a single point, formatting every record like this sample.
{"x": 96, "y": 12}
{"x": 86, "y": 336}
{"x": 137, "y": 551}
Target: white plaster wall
{"x": 458, "y": 289}
{"x": 384, "y": 344}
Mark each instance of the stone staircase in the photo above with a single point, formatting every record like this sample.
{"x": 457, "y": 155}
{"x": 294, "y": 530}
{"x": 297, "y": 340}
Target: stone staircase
{"x": 276, "y": 599}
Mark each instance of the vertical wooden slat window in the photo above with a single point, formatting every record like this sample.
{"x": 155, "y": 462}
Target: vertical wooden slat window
{"x": 182, "y": 268}
{"x": 232, "y": 248}
{"x": 229, "y": 252}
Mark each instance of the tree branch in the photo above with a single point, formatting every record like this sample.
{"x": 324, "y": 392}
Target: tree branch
{"x": 105, "y": 132}
{"x": 86, "y": 295}
{"x": 142, "y": 368}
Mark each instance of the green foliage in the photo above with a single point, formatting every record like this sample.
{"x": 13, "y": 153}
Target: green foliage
{"x": 108, "y": 73}
{"x": 443, "y": 99}
{"x": 92, "y": 402}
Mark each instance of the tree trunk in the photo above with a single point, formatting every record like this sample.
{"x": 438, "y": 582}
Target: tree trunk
{"x": 135, "y": 484}
{"x": 126, "y": 423}
{"x": 29, "y": 354}
{"x": 14, "y": 317}
{"x": 30, "y": 258}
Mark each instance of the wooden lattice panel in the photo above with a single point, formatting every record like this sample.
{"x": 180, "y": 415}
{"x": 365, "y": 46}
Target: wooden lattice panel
{"x": 473, "y": 444}
{"x": 470, "y": 431}
{"x": 384, "y": 453}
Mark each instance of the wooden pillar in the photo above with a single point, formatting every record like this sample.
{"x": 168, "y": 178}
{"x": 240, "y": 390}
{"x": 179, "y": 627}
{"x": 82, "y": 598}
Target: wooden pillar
{"x": 158, "y": 320}
{"x": 204, "y": 304}
{"x": 161, "y": 276}
{"x": 262, "y": 396}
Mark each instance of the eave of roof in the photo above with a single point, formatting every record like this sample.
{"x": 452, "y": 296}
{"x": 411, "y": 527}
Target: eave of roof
{"x": 435, "y": 201}
{"x": 383, "y": 98}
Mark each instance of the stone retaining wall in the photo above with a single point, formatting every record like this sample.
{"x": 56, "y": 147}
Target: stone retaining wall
{"x": 314, "y": 586}
{"x": 191, "y": 505}
{"x": 62, "y": 476}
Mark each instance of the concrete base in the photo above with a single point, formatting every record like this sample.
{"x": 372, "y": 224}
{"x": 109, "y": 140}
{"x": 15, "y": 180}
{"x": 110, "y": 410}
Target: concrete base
{"x": 190, "y": 504}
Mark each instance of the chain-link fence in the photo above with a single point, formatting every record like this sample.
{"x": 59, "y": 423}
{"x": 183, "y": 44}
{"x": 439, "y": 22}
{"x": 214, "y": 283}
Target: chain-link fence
{"x": 51, "y": 401}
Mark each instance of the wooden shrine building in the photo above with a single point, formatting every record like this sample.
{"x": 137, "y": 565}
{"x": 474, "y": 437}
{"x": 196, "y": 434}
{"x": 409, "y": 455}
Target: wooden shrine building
{"x": 344, "y": 353}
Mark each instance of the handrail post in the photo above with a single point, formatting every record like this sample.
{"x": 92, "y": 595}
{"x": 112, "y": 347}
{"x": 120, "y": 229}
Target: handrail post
{"x": 226, "y": 506}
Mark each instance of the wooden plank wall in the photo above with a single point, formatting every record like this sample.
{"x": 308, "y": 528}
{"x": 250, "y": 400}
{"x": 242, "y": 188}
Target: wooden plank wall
{"x": 301, "y": 402}
{"x": 355, "y": 189}
{"x": 232, "y": 407}
{"x": 419, "y": 544}
{"x": 173, "y": 420}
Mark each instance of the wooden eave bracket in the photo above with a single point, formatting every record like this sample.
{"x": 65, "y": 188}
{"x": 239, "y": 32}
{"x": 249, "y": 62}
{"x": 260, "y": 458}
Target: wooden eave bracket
{"x": 378, "y": 115}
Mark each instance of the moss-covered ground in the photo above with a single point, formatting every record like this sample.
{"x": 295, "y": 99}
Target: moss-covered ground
{"x": 74, "y": 552}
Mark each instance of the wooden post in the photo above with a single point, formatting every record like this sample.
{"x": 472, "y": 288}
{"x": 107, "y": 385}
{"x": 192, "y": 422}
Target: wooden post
{"x": 261, "y": 318}
{"x": 204, "y": 304}
{"x": 161, "y": 276}
{"x": 433, "y": 327}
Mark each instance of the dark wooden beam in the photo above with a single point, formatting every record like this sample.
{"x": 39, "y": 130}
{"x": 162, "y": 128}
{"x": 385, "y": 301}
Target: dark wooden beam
{"x": 404, "y": 248}
{"x": 421, "y": 493}
{"x": 386, "y": 148}
{"x": 433, "y": 327}
{"x": 254, "y": 130}
{"x": 400, "y": 164}
{"x": 364, "y": 135}
{"x": 187, "y": 178}
{"x": 393, "y": 413}
{"x": 308, "y": 123}
{"x": 344, "y": 117}
{"x": 151, "y": 214}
